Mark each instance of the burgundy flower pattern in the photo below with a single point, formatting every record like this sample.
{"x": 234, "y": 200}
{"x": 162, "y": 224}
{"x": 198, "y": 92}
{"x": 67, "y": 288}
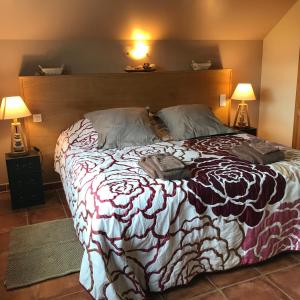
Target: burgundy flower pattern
{"x": 140, "y": 234}
{"x": 218, "y": 145}
{"x": 279, "y": 231}
{"x": 234, "y": 187}
{"x": 211, "y": 251}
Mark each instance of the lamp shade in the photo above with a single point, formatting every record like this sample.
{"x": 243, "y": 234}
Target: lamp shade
{"x": 243, "y": 92}
{"x": 13, "y": 108}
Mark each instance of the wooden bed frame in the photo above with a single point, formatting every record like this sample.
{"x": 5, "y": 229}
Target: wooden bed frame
{"x": 62, "y": 100}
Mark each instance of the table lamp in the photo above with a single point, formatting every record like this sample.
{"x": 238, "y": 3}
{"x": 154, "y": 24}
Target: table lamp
{"x": 14, "y": 108}
{"x": 243, "y": 92}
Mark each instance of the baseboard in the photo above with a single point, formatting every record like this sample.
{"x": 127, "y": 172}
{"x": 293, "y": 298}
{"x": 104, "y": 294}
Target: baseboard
{"x": 4, "y": 187}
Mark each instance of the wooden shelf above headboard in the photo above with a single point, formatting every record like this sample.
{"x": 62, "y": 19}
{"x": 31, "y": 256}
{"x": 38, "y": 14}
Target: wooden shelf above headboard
{"x": 62, "y": 100}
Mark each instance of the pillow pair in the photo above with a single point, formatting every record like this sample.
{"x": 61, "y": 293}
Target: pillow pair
{"x": 122, "y": 127}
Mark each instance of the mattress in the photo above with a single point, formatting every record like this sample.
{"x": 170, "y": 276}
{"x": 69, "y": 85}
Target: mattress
{"x": 141, "y": 234}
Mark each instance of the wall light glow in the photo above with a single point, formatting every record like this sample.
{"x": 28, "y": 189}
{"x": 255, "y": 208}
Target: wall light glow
{"x": 140, "y": 35}
{"x": 140, "y": 48}
{"x": 139, "y": 51}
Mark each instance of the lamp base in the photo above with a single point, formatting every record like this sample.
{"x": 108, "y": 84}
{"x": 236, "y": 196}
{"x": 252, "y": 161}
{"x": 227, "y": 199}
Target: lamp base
{"x": 242, "y": 119}
{"x": 18, "y": 140}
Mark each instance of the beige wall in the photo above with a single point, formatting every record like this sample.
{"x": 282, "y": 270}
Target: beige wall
{"x": 163, "y": 20}
{"x": 244, "y": 57}
{"x": 279, "y": 78}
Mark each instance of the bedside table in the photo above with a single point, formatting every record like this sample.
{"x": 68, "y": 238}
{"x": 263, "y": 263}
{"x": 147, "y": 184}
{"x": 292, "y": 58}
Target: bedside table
{"x": 25, "y": 180}
{"x": 249, "y": 130}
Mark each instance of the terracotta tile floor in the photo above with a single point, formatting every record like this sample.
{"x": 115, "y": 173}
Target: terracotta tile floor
{"x": 278, "y": 278}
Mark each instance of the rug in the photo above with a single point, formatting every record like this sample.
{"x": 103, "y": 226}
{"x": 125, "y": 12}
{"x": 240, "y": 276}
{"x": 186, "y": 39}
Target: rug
{"x": 42, "y": 251}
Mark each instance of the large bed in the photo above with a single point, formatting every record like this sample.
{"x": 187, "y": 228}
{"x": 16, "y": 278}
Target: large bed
{"x": 146, "y": 235}
{"x": 142, "y": 234}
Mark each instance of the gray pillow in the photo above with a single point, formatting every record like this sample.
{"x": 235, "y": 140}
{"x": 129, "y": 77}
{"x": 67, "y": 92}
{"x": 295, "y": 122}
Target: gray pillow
{"x": 190, "y": 121}
{"x": 122, "y": 127}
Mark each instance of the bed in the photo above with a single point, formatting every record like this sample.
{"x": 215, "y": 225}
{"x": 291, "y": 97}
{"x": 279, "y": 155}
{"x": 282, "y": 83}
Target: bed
{"x": 142, "y": 234}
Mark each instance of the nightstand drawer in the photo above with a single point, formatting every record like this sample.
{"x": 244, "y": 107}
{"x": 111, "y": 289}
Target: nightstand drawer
{"x": 17, "y": 166}
{"x": 25, "y": 180}
{"x": 21, "y": 200}
{"x": 27, "y": 191}
{"x": 24, "y": 183}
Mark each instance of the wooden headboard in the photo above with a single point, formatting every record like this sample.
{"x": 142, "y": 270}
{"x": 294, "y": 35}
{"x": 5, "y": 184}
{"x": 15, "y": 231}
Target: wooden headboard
{"x": 62, "y": 100}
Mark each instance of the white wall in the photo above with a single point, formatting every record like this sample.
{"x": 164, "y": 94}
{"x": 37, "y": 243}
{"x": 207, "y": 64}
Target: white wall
{"x": 279, "y": 78}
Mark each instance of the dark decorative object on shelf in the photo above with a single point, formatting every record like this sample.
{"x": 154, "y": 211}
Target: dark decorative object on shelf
{"x": 25, "y": 180}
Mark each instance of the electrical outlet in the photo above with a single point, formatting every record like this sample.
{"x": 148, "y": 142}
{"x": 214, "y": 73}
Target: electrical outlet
{"x": 37, "y": 118}
{"x": 223, "y": 100}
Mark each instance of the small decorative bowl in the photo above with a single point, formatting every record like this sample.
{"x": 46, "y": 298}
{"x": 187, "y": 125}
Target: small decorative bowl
{"x": 51, "y": 71}
{"x": 146, "y": 67}
{"x": 200, "y": 66}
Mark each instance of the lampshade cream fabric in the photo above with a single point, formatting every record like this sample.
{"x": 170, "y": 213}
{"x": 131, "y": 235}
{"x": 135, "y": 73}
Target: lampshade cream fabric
{"x": 13, "y": 108}
{"x": 244, "y": 92}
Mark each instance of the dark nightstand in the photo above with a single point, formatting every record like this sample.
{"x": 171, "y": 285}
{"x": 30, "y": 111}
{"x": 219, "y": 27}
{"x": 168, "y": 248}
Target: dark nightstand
{"x": 25, "y": 180}
{"x": 249, "y": 130}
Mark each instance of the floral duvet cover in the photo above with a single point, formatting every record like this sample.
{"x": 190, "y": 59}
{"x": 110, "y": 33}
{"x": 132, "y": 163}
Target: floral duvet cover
{"x": 141, "y": 234}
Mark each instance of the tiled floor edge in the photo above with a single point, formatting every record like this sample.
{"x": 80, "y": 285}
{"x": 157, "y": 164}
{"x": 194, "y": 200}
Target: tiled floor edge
{"x": 61, "y": 202}
{"x": 277, "y": 287}
{"x": 277, "y": 270}
{"x": 216, "y": 287}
